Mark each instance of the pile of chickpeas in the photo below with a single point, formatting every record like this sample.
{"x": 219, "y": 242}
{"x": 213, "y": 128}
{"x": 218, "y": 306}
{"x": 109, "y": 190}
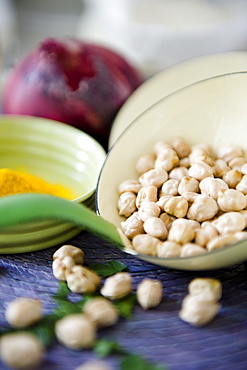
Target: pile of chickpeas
{"x": 187, "y": 201}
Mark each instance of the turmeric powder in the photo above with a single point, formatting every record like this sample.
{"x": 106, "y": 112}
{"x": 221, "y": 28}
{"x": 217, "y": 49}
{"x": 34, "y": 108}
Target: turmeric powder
{"x": 12, "y": 182}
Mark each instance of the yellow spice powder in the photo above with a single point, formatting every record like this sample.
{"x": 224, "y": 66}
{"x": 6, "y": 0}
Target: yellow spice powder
{"x": 12, "y": 182}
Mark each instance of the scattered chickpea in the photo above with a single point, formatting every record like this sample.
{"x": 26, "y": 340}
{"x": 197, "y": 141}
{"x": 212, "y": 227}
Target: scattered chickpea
{"x": 201, "y": 305}
{"x": 23, "y": 312}
{"x": 198, "y": 312}
{"x": 94, "y": 365}
{"x": 75, "y": 331}
{"x": 117, "y": 286}
{"x": 82, "y": 280}
{"x": 21, "y": 350}
{"x": 70, "y": 251}
{"x": 101, "y": 312}
{"x": 149, "y": 293}
{"x": 206, "y": 288}
{"x": 62, "y": 265}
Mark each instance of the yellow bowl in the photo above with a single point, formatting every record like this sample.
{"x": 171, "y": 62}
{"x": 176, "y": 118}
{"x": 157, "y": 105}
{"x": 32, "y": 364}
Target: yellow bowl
{"x": 59, "y": 154}
{"x": 212, "y": 111}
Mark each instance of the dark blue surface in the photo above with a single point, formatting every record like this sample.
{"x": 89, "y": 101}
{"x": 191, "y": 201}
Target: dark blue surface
{"x": 158, "y": 334}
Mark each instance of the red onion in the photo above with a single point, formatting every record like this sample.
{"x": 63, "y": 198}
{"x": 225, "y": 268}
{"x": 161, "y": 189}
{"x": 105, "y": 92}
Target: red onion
{"x": 71, "y": 81}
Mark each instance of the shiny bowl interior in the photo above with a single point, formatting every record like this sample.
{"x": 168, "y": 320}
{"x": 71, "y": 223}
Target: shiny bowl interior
{"x": 172, "y": 79}
{"x": 57, "y": 153}
{"x": 212, "y": 111}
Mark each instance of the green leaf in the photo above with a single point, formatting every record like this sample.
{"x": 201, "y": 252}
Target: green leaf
{"x": 106, "y": 347}
{"x": 125, "y": 306}
{"x": 66, "y": 307}
{"x": 111, "y": 268}
{"x": 63, "y": 290}
{"x": 45, "y": 329}
{"x": 135, "y": 362}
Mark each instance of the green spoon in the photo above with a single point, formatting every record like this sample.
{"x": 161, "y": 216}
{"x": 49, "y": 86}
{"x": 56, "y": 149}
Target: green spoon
{"x": 22, "y": 208}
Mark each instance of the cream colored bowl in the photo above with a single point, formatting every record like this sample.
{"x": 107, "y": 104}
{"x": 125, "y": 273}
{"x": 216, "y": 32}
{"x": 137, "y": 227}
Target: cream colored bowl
{"x": 212, "y": 111}
{"x": 57, "y": 153}
{"x": 172, "y": 79}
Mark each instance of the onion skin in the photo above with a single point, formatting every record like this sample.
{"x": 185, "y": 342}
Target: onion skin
{"x": 71, "y": 81}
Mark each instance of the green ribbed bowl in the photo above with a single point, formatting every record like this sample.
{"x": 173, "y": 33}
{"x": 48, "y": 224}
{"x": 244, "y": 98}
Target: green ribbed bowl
{"x": 59, "y": 154}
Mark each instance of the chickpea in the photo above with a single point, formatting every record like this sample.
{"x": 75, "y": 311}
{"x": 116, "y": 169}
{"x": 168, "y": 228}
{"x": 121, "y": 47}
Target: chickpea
{"x": 101, "y": 312}
{"x": 220, "y": 168}
{"x": 177, "y": 206}
{"x": 229, "y": 152}
{"x": 230, "y": 223}
{"x": 168, "y": 249}
{"x": 155, "y": 177}
{"x": 149, "y": 293}
{"x": 242, "y": 185}
{"x": 145, "y": 244}
{"x": 188, "y": 184}
{"x": 126, "y": 204}
{"x": 233, "y": 178}
{"x": 184, "y": 162}
{"x": 82, "y": 280}
{"x": 204, "y": 146}
{"x": 211, "y": 186}
{"x": 181, "y": 232}
{"x": 129, "y": 185}
{"x": 155, "y": 227}
{"x": 181, "y": 147}
{"x": 170, "y": 187}
{"x": 163, "y": 200}
{"x": 167, "y": 159}
{"x": 70, "y": 251}
{"x": 221, "y": 241}
{"x": 23, "y": 312}
{"x": 199, "y": 155}
{"x": 204, "y": 208}
{"x": 198, "y": 312}
{"x": 117, "y": 286}
{"x": 231, "y": 200}
{"x": 205, "y": 289}
{"x": 21, "y": 350}
{"x": 148, "y": 209}
{"x": 94, "y": 365}
{"x": 62, "y": 265}
{"x": 205, "y": 234}
{"x": 200, "y": 170}
{"x": 145, "y": 163}
{"x": 132, "y": 226}
{"x": 160, "y": 146}
{"x": 149, "y": 193}
{"x": 178, "y": 173}
{"x": 75, "y": 331}
{"x": 192, "y": 249}
{"x": 237, "y": 163}
{"x": 167, "y": 219}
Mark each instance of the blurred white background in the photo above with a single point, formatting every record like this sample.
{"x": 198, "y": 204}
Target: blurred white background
{"x": 153, "y": 34}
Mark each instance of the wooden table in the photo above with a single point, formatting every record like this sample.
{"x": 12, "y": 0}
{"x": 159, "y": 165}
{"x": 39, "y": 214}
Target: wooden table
{"x": 157, "y": 334}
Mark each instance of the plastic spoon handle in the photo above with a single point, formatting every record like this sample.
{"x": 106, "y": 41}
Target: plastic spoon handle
{"x": 23, "y": 208}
